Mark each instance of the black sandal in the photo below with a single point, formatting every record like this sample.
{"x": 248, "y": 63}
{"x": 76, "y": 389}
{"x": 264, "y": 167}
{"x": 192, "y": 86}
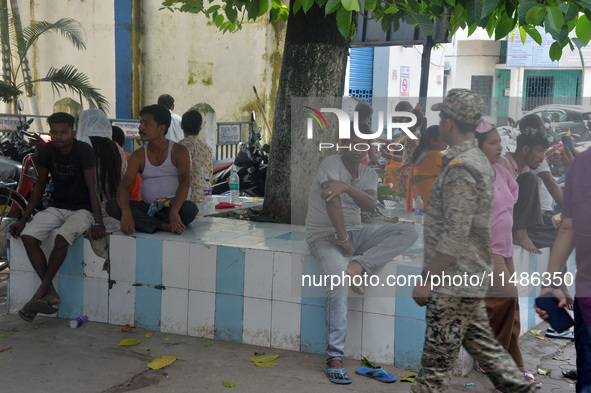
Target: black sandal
{"x": 571, "y": 374}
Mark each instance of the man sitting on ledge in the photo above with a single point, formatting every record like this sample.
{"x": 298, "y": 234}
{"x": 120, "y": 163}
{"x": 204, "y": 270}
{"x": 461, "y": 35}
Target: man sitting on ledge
{"x": 346, "y": 249}
{"x": 75, "y": 209}
{"x": 164, "y": 167}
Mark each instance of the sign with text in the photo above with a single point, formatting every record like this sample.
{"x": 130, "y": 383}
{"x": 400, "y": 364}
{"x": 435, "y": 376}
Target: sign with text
{"x": 9, "y": 123}
{"x": 404, "y": 81}
{"x": 228, "y": 134}
{"x": 129, "y": 127}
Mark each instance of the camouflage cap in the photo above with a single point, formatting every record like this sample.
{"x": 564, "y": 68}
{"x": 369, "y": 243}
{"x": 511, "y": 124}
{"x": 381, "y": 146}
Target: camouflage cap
{"x": 462, "y": 105}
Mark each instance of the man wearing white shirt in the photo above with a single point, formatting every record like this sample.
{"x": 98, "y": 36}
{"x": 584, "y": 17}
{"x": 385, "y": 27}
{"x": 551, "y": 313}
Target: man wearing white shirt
{"x": 175, "y": 132}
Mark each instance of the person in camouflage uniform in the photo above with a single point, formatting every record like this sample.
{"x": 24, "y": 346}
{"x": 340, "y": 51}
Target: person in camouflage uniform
{"x": 457, "y": 241}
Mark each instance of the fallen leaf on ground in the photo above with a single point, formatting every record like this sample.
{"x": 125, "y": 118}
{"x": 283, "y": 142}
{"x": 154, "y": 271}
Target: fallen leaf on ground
{"x": 367, "y": 363}
{"x": 535, "y": 332}
{"x": 228, "y": 384}
{"x": 5, "y": 349}
{"x": 126, "y": 328}
{"x": 407, "y": 378}
{"x": 541, "y": 337}
{"x": 264, "y": 360}
{"x": 544, "y": 371}
{"x": 166, "y": 339}
{"x": 208, "y": 344}
{"x": 7, "y": 334}
{"x": 129, "y": 342}
{"x": 161, "y": 362}
{"x": 148, "y": 335}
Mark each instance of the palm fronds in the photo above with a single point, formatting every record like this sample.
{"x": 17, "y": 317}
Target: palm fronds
{"x": 69, "y": 28}
{"x": 69, "y": 78}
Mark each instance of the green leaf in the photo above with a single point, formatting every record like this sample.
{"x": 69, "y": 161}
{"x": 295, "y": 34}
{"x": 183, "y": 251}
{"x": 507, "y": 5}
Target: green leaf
{"x": 7, "y": 334}
{"x": 331, "y": 6}
{"x": 231, "y": 13}
{"x": 391, "y": 10}
{"x": 386, "y": 24}
{"x": 490, "y": 26}
{"x": 413, "y": 6}
{"x": 570, "y": 11}
{"x": 344, "y": 21}
{"x": 371, "y": 5}
{"x": 578, "y": 42}
{"x": 583, "y": 29}
{"x": 522, "y": 34}
{"x": 422, "y": 21}
{"x": 367, "y": 363}
{"x": 474, "y": 8}
{"x": 555, "y": 18}
{"x": 472, "y": 29}
{"x": 207, "y": 344}
{"x": 534, "y": 34}
{"x": 504, "y": 26}
{"x": 307, "y": 4}
{"x": 555, "y": 51}
{"x": 161, "y": 362}
{"x": 535, "y": 15}
{"x": 297, "y": 5}
{"x": 488, "y": 7}
{"x": 350, "y": 5}
{"x": 219, "y": 20}
{"x": 524, "y": 9}
{"x": 228, "y": 384}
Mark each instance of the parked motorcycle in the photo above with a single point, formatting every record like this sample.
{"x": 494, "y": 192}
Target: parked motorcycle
{"x": 18, "y": 173}
{"x": 251, "y": 165}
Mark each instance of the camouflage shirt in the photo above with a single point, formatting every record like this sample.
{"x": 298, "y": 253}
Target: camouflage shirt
{"x": 458, "y": 219}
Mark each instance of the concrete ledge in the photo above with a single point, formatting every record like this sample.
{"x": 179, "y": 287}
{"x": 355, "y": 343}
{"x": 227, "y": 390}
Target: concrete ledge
{"x": 241, "y": 282}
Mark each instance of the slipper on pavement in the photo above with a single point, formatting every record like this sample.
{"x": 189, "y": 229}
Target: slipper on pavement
{"x": 572, "y": 373}
{"x": 341, "y": 372}
{"x": 379, "y": 374}
{"x": 42, "y": 306}
{"x": 25, "y": 317}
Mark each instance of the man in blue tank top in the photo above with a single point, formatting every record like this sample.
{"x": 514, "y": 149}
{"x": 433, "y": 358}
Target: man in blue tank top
{"x": 164, "y": 167}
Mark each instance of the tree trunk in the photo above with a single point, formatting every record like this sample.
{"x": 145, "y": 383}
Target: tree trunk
{"x": 5, "y": 47}
{"x": 314, "y": 65}
{"x": 26, "y": 69}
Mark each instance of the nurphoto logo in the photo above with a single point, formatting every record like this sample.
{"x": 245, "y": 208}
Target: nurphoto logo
{"x": 345, "y": 128}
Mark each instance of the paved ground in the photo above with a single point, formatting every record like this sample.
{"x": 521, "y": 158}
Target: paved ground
{"x": 48, "y": 356}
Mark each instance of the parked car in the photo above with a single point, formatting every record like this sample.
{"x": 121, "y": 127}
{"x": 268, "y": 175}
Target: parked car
{"x": 560, "y": 119}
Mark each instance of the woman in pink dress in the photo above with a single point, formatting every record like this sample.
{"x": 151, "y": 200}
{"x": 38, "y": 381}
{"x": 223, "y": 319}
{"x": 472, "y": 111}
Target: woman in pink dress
{"x": 502, "y": 303}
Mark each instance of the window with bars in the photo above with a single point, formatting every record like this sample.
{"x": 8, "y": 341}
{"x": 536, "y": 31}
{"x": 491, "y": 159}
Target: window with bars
{"x": 483, "y": 85}
{"x": 539, "y": 90}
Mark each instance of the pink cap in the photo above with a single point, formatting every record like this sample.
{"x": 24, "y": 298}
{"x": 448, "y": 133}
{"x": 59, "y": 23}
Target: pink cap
{"x": 484, "y": 127}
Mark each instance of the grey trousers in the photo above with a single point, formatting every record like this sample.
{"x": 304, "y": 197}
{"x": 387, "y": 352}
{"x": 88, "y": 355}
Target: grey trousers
{"x": 373, "y": 247}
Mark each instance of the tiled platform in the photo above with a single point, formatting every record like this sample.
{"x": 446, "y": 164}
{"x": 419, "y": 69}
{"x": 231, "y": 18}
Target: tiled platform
{"x": 238, "y": 281}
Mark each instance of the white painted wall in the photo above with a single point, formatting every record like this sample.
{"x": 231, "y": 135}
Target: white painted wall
{"x": 182, "y": 54}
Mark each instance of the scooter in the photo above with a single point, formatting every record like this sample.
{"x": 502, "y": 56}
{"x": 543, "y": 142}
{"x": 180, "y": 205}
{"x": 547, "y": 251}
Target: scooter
{"x": 251, "y": 166}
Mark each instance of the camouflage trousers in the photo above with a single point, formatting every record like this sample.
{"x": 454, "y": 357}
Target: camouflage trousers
{"x": 456, "y": 321}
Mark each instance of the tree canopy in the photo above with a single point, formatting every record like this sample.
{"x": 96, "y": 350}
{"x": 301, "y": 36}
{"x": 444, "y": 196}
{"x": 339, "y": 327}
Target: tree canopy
{"x": 499, "y": 17}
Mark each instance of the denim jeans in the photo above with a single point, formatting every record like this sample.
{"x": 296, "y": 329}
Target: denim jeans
{"x": 373, "y": 247}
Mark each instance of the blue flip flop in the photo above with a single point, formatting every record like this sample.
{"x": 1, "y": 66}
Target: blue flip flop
{"x": 341, "y": 372}
{"x": 378, "y": 374}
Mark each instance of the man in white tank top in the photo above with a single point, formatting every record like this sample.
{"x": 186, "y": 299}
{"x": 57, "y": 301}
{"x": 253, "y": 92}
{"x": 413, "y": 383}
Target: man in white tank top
{"x": 164, "y": 167}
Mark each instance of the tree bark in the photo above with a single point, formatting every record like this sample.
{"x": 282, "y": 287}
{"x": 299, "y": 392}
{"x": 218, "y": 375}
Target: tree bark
{"x": 314, "y": 66}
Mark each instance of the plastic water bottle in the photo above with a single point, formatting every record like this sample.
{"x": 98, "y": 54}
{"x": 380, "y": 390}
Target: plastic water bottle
{"x": 74, "y": 323}
{"x": 208, "y": 206}
{"x": 418, "y": 206}
{"x": 234, "y": 186}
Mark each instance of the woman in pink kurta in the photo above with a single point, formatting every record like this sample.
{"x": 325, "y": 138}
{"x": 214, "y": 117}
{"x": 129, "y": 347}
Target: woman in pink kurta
{"x": 502, "y": 303}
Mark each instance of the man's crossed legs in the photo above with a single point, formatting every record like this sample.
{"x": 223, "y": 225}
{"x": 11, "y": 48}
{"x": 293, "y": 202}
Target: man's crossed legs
{"x": 373, "y": 247}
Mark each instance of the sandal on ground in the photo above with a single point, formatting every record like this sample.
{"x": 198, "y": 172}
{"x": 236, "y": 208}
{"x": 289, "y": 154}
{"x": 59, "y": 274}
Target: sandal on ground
{"x": 479, "y": 369}
{"x": 42, "y": 306}
{"x": 571, "y": 374}
{"x": 379, "y": 374}
{"x": 26, "y": 310}
{"x": 530, "y": 377}
{"x": 341, "y": 372}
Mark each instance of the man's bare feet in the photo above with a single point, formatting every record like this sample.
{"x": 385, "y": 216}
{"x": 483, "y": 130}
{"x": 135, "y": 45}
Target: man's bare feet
{"x": 336, "y": 364}
{"x": 521, "y": 238}
{"x": 354, "y": 269}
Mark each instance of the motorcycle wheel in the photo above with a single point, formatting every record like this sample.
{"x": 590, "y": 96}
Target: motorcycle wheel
{"x": 12, "y": 207}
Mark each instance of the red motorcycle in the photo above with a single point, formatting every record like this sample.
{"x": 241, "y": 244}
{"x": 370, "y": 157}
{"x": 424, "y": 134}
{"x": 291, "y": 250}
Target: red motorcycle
{"x": 18, "y": 174}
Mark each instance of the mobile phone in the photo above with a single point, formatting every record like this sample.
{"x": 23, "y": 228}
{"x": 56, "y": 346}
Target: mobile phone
{"x": 567, "y": 142}
{"x": 559, "y": 318}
